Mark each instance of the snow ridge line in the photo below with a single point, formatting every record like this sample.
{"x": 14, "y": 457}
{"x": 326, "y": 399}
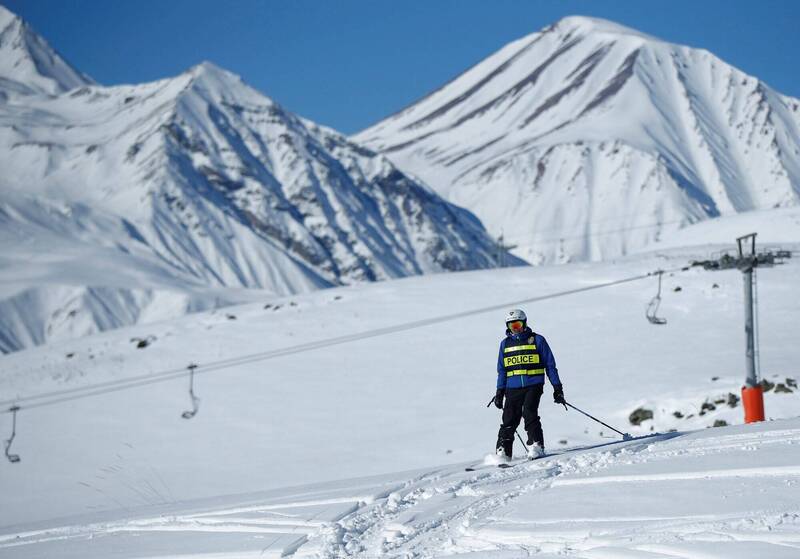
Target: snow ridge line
{"x": 70, "y": 394}
{"x": 774, "y": 471}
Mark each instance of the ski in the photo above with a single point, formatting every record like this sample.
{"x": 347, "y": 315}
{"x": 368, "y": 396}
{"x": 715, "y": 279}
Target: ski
{"x": 526, "y": 459}
{"x": 483, "y": 466}
{"x": 514, "y": 462}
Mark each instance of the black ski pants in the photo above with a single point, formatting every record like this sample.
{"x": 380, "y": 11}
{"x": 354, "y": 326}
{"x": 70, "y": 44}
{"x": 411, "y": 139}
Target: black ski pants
{"x": 521, "y": 403}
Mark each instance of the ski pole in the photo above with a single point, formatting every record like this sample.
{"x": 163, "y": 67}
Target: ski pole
{"x": 625, "y": 436}
{"x": 521, "y": 441}
{"x": 515, "y": 430}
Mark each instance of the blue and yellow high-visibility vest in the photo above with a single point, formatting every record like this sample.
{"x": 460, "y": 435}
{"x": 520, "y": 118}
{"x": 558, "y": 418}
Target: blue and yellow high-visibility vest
{"x": 522, "y": 358}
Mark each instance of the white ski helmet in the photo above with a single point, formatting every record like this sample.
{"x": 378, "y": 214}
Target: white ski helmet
{"x": 516, "y": 314}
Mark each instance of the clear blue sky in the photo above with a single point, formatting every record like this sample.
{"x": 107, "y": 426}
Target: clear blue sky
{"x": 349, "y": 63}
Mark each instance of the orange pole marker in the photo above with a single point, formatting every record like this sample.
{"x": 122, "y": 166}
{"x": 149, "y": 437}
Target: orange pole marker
{"x": 753, "y": 401}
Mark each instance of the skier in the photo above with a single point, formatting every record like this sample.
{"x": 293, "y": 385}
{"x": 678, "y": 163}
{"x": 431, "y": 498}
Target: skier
{"x": 523, "y": 360}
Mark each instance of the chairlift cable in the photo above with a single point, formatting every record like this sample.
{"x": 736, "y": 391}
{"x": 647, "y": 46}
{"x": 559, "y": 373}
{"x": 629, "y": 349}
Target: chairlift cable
{"x": 70, "y": 394}
{"x": 531, "y": 238}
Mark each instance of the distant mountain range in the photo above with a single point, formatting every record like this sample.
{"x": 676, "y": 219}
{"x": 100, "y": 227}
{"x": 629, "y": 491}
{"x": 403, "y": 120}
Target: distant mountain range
{"x": 132, "y": 203}
{"x": 583, "y": 141}
{"x": 588, "y": 139}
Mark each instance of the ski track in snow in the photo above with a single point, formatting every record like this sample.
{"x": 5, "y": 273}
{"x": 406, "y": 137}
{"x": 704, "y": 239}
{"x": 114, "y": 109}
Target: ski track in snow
{"x": 448, "y": 511}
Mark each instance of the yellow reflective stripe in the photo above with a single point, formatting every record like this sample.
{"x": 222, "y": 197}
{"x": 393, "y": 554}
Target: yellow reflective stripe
{"x": 519, "y": 348}
{"x": 525, "y": 359}
{"x": 526, "y": 372}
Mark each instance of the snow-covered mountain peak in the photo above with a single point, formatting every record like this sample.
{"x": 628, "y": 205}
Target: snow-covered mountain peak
{"x": 218, "y": 85}
{"x": 28, "y": 64}
{"x": 209, "y": 73}
{"x": 592, "y": 138}
{"x": 9, "y": 18}
{"x": 6, "y": 17}
{"x": 210, "y": 184}
{"x": 595, "y": 26}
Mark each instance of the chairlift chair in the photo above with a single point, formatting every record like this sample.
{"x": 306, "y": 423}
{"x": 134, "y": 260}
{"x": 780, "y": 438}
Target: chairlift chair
{"x": 13, "y": 458}
{"x": 195, "y": 400}
{"x": 655, "y": 302}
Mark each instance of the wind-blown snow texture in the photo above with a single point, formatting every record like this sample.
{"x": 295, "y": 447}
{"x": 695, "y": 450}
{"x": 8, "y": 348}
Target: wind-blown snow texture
{"x": 212, "y": 183}
{"x": 589, "y": 139}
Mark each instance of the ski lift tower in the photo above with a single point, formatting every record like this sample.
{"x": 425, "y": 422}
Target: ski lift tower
{"x": 747, "y": 260}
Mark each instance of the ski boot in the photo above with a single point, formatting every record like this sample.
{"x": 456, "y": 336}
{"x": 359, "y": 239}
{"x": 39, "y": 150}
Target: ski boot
{"x": 535, "y": 451}
{"x": 502, "y": 456}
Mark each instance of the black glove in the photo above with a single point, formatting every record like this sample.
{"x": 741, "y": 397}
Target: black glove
{"x": 558, "y": 394}
{"x": 498, "y": 398}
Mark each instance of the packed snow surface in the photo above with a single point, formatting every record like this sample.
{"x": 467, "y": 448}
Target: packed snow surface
{"x": 372, "y": 379}
{"x": 724, "y": 493}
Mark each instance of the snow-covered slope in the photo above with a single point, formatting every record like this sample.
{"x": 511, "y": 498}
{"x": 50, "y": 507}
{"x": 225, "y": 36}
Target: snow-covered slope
{"x": 217, "y": 186}
{"x": 398, "y": 390}
{"x": 68, "y": 271}
{"x": 727, "y": 493}
{"x": 28, "y": 64}
{"x": 589, "y": 139}
{"x": 773, "y": 227}
{"x": 128, "y": 471}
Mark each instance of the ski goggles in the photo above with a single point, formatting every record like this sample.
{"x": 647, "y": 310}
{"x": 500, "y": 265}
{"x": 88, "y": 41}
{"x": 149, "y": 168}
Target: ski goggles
{"x": 515, "y": 325}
